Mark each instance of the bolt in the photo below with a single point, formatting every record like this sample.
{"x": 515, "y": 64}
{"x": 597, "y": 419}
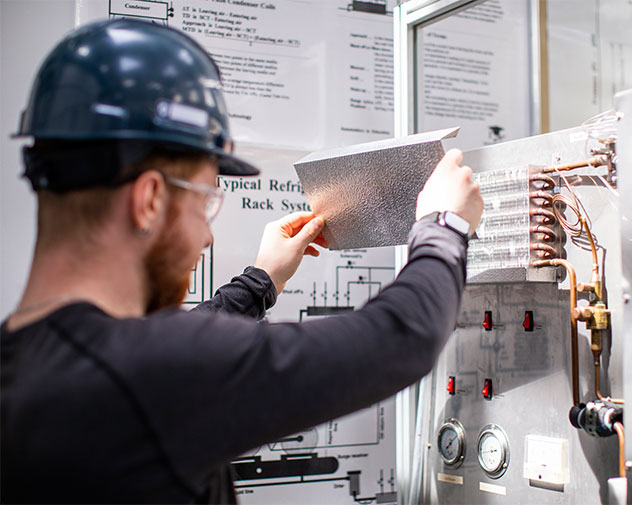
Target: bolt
{"x": 628, "y": 465}
{"x": 626, "y": 298}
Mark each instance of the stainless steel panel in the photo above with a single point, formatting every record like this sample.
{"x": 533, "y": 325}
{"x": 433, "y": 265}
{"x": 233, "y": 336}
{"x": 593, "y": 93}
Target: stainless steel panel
{"x": 623, "y": 102}
{"x": 531, "y": 396}
{"x": 530, "y": 370}
{"x": 367, "y": 193}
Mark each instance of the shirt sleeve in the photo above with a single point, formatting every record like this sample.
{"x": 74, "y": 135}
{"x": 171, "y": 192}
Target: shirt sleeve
{"x": 249, "y": 294}
{"x": 216, "y": 385}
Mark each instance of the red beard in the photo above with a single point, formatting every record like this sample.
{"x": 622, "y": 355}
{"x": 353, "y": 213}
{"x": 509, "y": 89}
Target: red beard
{"x": 167, "y": 270}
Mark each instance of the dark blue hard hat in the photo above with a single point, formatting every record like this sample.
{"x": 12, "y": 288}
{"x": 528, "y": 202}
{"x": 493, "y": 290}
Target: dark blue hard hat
{"x": 129, "y": 80}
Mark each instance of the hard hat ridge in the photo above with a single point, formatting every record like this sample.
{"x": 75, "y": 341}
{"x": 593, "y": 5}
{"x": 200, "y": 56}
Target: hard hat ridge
{"x": 131, "y": 80}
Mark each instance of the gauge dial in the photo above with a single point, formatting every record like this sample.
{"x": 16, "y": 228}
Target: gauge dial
{"x": 493, "y": 451}
{"x": 451, "y": 442}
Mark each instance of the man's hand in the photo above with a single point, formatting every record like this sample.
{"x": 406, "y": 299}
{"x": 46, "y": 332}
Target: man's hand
{"x": 450, "y": 187}
{"x": 285, "y": 242}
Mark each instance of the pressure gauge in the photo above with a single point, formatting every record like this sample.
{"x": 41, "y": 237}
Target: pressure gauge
{"x": 451, "y": 442}
{"x": 493, "y": 451}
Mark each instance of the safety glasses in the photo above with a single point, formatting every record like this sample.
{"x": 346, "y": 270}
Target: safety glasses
{"x": 213, "y": 195}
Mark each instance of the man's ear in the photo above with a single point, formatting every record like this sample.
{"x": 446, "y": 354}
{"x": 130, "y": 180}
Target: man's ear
{"x": 148, "y": 201}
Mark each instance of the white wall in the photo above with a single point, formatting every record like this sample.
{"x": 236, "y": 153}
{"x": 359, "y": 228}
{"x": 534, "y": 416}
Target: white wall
{"x": 28, "y": 30}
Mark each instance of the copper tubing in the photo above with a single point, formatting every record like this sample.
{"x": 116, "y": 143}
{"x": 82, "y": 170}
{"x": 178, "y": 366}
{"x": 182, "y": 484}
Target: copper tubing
{"x": 618, "y": 427}
{"x": 597, "y": 161}
{"x": 539, "y": 246}
{"x": 572, "y": 278}
{"x": 585, "y": 288}
{"x": 547, "y": 197}
{"x": 549, "y": 182}
{"x": 596, "y": 346}
{"x": 538, "y": 211}
{"x": 548, "y": 232}
{"x": 595, "y": 280}
{"x": 618, "y": 401}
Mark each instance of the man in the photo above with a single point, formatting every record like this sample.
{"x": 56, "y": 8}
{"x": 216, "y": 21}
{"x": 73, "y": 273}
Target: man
{"x": 105, "y": 397}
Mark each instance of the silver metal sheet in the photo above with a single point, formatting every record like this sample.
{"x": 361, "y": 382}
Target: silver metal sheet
{"x": 531, "y": 396}
{"x": 367, "y": 193}
{"x": 531, "y": 371}
{"x": 623, "y": 102}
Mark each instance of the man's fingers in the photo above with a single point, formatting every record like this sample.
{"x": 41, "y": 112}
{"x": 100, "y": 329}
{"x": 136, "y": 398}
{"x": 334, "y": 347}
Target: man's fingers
{"x": 455, "y": 155}
{"x": 311, "y": 251}
{"x": 320, "y": 240}
{"x": 293, "y": 223}
{"x": 310, "y": 231}
{"x": 452, "y": 158}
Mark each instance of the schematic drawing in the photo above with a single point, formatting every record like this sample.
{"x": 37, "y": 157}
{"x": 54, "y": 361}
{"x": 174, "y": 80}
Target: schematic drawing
{"x": 358, "y": 283}
{"x": 302, "y": 465}
{"x": 305, "y": 441}
{"x": 375, "y": 7}
{"x": 359, "y": 429}
{"x": 289, "y": 465}
{"x": 154, "y": 10}
{"x": 299, "y": 458}
{"x": 195, "y": 292}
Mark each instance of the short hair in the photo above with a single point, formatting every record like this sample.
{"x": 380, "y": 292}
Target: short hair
{"x": 81, "y": 212}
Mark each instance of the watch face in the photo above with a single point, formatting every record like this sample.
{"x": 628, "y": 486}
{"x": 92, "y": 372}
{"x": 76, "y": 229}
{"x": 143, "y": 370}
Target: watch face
{"x": 456, "y": 222}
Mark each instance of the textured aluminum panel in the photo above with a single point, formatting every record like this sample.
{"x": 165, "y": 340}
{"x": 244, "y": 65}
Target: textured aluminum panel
{"x": 367, "y": 193}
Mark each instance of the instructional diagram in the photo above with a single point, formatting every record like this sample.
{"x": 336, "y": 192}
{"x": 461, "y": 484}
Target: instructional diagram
{"x": 352, "y": 283}
{"x": 153, "y": 10}
{"x": 333, "y": 457}
{"x": 462, "y": 65}
{"x": 271, "y": 55}
{"x": 373, "y": 7}
{"x": 201, "y": 282}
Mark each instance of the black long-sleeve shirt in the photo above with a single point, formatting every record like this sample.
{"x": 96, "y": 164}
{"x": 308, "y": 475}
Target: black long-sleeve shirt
{"x": 99, "y": 409}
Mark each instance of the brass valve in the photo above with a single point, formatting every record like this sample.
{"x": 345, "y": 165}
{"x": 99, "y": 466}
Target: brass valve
{"x": 596, "y": 317}
{"x": 585, "y": 287}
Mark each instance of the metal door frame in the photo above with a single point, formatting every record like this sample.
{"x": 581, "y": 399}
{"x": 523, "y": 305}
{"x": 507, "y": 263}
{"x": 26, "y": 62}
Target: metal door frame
{"x": 407, "y": 17}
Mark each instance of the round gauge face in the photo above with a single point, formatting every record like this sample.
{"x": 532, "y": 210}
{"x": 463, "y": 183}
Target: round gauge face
{"x": 451, "y": 442}
{"x": 493, "y": 451}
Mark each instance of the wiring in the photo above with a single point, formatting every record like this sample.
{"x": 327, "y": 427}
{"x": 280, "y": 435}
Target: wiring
{"x": 602, "y": 126}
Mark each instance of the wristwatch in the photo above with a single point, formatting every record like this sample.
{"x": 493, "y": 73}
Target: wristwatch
{"x": 450, "y": 220}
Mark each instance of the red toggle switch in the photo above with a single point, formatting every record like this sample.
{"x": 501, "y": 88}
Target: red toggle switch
{"x": 487, "y": 321}
{"x": 527, "y": 324}
{"x": 451, "y": 385}
{"x": 487, "y": 389}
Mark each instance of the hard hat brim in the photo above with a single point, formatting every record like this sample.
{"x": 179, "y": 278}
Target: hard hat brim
{"x": 232, "y": 165}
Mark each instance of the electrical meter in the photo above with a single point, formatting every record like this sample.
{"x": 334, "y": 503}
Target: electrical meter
{"x": 451, "y": 442}
{"x": 493, "y": 451}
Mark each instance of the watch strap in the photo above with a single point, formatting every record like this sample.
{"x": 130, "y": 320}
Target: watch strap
{"x": 454, "y": 222}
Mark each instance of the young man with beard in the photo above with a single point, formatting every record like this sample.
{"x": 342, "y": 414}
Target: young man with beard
{"x": 110, "y": 392}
